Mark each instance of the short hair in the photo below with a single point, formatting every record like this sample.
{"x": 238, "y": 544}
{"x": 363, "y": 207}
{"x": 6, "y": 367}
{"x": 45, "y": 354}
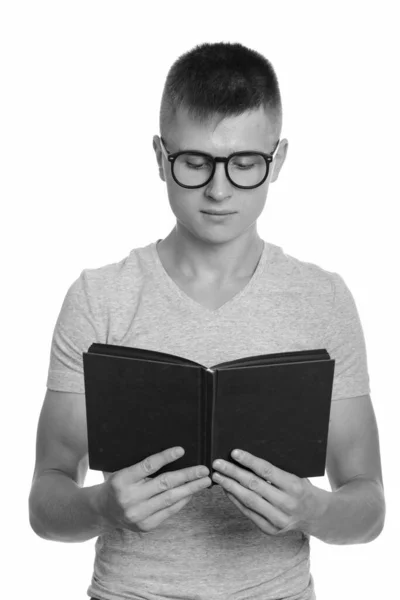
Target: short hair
{"x": 225, "y": 79}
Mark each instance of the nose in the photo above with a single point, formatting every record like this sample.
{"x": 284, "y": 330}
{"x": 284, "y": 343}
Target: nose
{"x": 219, "y": 187}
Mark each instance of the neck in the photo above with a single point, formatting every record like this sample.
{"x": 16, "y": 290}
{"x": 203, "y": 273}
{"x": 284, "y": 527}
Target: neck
{"x": 199, "y": 260}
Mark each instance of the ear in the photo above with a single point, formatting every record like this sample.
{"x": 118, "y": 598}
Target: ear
{"x": 159, "y": 156}
{"x": 279, "y": 159}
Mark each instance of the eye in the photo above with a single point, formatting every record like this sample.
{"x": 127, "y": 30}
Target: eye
{"x": 247, "y": 162}
{"x": 195, "y": 165}
{"x": 243, "y": 166}
{"x": 247, "y": 166}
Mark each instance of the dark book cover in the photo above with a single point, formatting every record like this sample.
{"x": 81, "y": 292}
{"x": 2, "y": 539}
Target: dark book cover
{"x": 140, "y": 402}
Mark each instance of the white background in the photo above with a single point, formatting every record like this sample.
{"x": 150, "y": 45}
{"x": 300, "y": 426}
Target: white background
{"x": 81, "y": 87}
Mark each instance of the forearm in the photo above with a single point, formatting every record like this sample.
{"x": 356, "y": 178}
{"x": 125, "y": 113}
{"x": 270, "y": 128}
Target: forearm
{"x": 60, "y": 510}
{"x": 353, "y": 514}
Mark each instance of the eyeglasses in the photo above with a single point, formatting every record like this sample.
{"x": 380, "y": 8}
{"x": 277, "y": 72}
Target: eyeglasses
{"x": 246, "y": 170}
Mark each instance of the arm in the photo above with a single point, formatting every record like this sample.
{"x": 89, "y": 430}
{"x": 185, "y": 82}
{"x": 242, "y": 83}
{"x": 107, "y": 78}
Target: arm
{"x": 60, "y": 508}
{"x": 354, "y": 512}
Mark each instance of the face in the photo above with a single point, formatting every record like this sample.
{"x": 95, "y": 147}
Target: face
{"x": 253, "y": 130}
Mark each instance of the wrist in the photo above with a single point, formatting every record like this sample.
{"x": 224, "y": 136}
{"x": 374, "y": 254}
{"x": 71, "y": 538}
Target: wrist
{"x": 320, "y": 504}
{"x": 97, "y": 505}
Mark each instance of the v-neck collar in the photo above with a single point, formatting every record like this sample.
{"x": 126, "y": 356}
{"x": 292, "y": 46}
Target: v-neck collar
{"x": 193, "y": 304}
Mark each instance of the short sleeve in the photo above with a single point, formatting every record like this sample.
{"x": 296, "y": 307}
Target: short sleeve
{"x": 77, "y": 327}
{"x": 346, "y": 344}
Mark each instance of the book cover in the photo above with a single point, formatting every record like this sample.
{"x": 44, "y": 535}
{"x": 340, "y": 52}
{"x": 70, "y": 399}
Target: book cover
{"x": 140, "y": 402}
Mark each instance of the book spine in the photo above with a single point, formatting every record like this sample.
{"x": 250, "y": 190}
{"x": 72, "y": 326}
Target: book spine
{"x": 201, "y": 432}
{"x": 209, "y": 417}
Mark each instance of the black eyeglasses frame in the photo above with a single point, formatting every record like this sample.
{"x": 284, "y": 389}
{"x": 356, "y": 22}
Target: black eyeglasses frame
{"x": 171, "y": 157}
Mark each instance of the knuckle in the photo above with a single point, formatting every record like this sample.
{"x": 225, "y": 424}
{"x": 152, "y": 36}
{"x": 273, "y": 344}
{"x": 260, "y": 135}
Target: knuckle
{"x": 163, "y": 482}
{"x": 146, "y": 465}
{"x": 168, "y": 499}
{"x": 266, "y": 473}
{"x": 253, "y": 483}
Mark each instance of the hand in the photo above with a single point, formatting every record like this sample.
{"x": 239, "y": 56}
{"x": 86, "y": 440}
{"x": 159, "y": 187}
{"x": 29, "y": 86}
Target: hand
{"x": 131, "y": 500}
{"x": 276, "y": 501}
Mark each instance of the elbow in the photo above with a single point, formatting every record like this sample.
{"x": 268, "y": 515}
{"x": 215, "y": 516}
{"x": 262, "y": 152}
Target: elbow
{"x": 34, "y": 520}
{"x": 35, "y": 526}
{"x": 379, "y": 519}
{"x": 379, "y": 523}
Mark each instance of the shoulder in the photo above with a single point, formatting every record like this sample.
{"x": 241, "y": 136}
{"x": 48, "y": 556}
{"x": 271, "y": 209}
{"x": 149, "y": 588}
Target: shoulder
{"x": 106, "y": 280}
{"x": 302, "y": 276}
{"x": 99, "y": 291}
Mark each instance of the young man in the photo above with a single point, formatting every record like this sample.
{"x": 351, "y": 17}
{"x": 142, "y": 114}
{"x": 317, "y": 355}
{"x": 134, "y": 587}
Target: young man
{"x": 211, "y": 291}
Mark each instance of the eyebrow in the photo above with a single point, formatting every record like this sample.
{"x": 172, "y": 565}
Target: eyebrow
{"x": 230, "y": 151}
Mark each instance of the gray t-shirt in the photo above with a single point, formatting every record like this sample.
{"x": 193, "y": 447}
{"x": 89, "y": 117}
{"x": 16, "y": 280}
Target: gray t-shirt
{"x": 209, "y": 550}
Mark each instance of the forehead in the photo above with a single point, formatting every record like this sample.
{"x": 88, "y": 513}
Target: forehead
{"x": 252, "y": 130}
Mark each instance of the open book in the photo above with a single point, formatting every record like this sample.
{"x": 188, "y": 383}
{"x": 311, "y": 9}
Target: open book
{"x": 140, "y": 402}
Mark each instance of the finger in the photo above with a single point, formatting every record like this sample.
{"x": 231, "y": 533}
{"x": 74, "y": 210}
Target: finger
{"x": 251, "y": 481}
{"x": 156, "y": 499}
{"x": 157, "y": 493}
{"x": 155, "y": 519}
{"x": 266, "y": 470}
{"x": 150, "y": 465}
{"x": 265, "y": 525}
{"x": 255, "y": 502}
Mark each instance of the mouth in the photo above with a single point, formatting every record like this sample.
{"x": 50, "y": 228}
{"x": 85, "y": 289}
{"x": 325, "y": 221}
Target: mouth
{"x": 215, "y": 212}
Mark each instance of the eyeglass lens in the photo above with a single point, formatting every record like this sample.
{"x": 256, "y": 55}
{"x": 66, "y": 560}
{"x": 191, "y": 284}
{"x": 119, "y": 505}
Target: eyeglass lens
{"x": 244, "y": 170}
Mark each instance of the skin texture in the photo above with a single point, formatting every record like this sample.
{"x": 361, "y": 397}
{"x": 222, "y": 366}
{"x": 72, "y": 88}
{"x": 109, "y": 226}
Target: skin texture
{"x": 207, "y": 258}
